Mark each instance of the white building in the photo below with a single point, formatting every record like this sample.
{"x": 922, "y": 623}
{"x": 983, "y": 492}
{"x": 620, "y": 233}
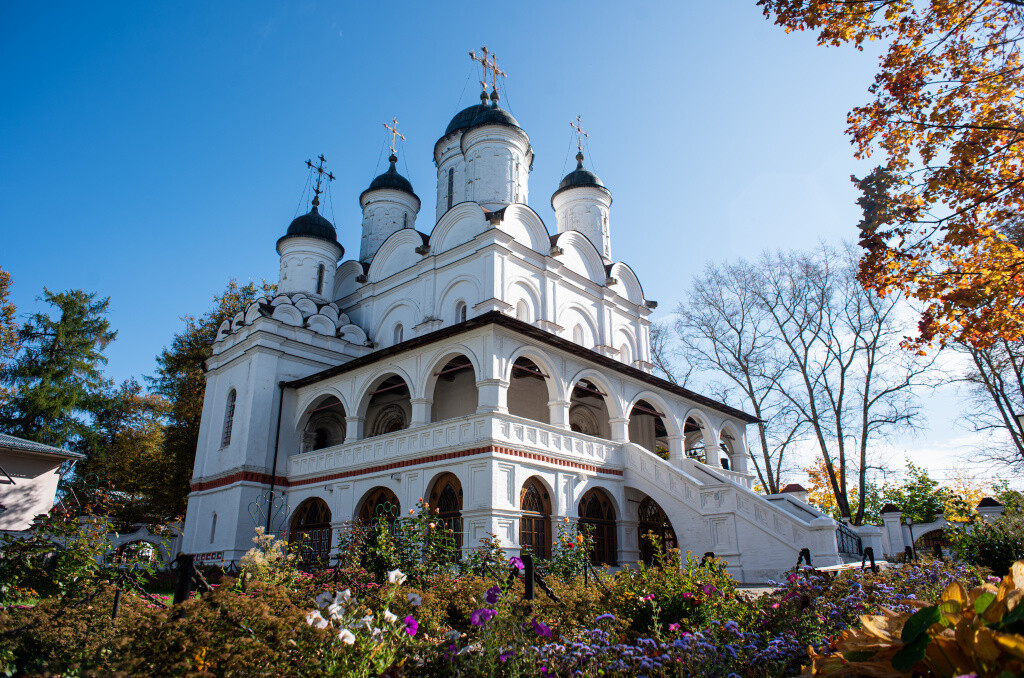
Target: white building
{"x": 499, "y": 371}
{"x": 29, "y": 474}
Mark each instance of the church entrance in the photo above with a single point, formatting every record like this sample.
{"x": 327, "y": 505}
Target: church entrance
{"x": 310, "y": 533}
{"x": 446, "y": 505}
{"x": 651, "y": 519}
{"x": 535, "y": 523}
{"x": 597, "y": 513}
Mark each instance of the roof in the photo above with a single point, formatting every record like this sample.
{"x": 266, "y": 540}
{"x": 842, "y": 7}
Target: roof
{"x": 890, "y": 508}
{"x": 508, "y": 322}
{"x": 481, "y": 114}
{"x": 794, "y": 487}
{"x": 580, "y": 178}
{"x": 9, "y": 442}
{"x": 391, "y": 179}
{"x": 312, "y": 225}
{"x": 988, "y": 501}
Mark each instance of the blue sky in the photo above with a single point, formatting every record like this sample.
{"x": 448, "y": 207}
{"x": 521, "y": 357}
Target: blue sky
{"x": 153, "y": 151}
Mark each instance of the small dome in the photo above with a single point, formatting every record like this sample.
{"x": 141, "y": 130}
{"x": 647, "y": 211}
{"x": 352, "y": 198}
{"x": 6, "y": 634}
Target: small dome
{"x": 313, "y": 225}
{"x": 580, "y": 178}
{"x": 481, "y": 114}
{"x": 390, "y": 179}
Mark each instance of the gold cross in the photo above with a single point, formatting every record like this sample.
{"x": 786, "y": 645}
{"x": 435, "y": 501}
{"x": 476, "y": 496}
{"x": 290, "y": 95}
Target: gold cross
{"x": 580, "y": 134}
{"x": 485, "y": 63}
{"x": 394, "y": 133}
{"x": 320, "y": 174}
{"x": 495, "y": 72}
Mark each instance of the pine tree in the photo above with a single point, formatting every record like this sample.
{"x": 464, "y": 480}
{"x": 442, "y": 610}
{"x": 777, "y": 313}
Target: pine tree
{"x": 181, "y": 379}
{"x": 56, "y": 377}
{"x": 8, "y": 328}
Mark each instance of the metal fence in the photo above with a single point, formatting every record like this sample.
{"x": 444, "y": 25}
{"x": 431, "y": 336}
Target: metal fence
{"x": 849, "y": 542}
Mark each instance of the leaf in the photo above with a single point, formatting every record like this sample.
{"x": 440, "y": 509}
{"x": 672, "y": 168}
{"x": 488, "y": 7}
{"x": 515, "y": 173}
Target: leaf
{"x": 858, "y": 655}
{"x": 983, "y": 601}
{"x": 911, "y": 653}
{"x": 919, "y": 623}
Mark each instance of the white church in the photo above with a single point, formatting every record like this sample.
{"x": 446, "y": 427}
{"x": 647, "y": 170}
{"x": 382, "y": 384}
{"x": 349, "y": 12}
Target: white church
{"x": 497, "y": 370}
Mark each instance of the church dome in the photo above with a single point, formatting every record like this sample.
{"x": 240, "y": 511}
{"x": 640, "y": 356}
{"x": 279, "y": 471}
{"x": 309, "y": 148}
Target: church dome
{"x": 312, "y": 225}
{"x": 579, "y": 178}
{"x": 391, "y": 179}
{"x": 481, "y": 114}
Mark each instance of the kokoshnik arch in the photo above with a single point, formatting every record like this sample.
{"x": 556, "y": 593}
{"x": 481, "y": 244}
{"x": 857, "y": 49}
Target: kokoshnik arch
{"x": 501, "y": 371}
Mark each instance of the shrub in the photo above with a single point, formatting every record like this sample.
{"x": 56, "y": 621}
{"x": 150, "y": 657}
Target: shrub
{"x": 995, "y": 545}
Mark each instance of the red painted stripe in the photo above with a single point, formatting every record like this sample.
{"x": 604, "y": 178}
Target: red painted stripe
{"x": 280, "y": 481}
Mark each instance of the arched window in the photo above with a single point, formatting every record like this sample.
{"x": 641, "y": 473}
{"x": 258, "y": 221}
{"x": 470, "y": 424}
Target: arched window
{"x": 451, "y": 186}
{"x": 398, "y": 334}
{"x": 213, "y": 526}
{"x": 320, "y": 279}
{"x": 596, "y": 512}
{"x": 446, "y": 499}
{"x": 229, "y": 418}
{"x": 652, "y": 519}
{"x": 460, "y": 312}
{"x": 535, "y": 524}
{"x": 381, "y": 504}
{"x": 523, "y": 311}
{"x": 390, "y": 419}
{"x": 625, "y": 354}
{"x": 311, "y": 532}
{"x": 326, "y": 425}
{"x": 577, "y": 334}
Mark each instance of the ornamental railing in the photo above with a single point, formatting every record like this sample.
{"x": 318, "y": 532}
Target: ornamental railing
{"x": 849, "y": 541}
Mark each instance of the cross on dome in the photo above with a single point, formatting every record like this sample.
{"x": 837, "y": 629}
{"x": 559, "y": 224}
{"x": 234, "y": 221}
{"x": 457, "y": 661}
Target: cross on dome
{"x": 320, "y": 174}
{"x": 580, "y": 134}
{"x": 395, "y": 134}
{"x": 488, "y": 62}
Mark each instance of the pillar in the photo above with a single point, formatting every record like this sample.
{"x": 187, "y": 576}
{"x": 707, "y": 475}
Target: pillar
{"x": 492, "y": 396}
{"x": 420, "y": 411}
{"x": 558, "y": 412}
{"x": 353, "y": 429}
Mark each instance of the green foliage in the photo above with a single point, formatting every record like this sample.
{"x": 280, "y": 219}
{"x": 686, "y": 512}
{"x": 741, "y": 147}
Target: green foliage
{"x": 180, "y": 380}
{"x": 995, "y": 545}
{"x": 56, "y": 377}
{"x": 920, "y": 497}
{"x": 8, "y": 328}
{"x": 570, "y": 550}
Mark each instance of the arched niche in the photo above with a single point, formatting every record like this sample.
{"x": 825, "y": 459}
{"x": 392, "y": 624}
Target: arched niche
{"x": 588, "y": 410}
{"x": 694, "y": 439}
{"x": 528, "y": 392}
{"x": 651, "y": 518}
{"x": 455, "y": 391}
{"x": 324, "y": 424}
{"x": 535, "y": 521}
{"x": 647, "y": 428}
{"x": 598, "y": 515}
{"x": 380, "y": 503}
{"x": 310, "y": 533}
{"x": 446, "y": 504}
{"x": 388, "y": 408}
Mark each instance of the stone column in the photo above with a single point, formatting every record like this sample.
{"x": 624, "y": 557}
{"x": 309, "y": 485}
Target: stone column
{"x": 353, "y": 429}
{"x": 492, "y": 396}
{"x": 893, "y": 542}
{"x": 619, "y": 429}
{"x": 558, "y": 411}
{"x": 675, "y": 450}
{"x": 420, "y": 411}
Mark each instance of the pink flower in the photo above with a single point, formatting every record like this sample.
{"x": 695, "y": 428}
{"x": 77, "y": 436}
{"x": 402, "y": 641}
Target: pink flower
{"x": 648, "y": 597}
{"x": 673, "y": 627}
{"x": 541, "y": 629}
{"x": 516, "y": 563}
{"x": 411, "y": 625}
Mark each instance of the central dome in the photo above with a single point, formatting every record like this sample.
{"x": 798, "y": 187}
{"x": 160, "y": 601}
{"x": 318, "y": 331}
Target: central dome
{"x": 312, "y": 225}
{"x": 481, "y": 114}
{"x": 391, "y": 179}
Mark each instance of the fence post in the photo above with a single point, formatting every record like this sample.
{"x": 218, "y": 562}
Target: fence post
{"x": 117, "y": 603}
{"x": 529, "y": 593}
{"x": 804, "y": 557}
{"x": 869, "y": 555}
{"x": 186, "y": 568}
{"x": 708, "y": 555}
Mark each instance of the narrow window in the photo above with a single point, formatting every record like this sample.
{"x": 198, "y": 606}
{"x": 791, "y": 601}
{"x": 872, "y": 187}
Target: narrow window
{"x": 320, "y": 279}
{"x": 405, "y": 220}
{"x": 398, "y": 334}
{"x": 451, "y": 186}
{"x": 213, "y": 526}
{"x": 577, "y": 335}
{"x": 460, "y": 312}
{"x": 515, "y": 181}
{"x": 229, "y": 417}
{"x": 523, "y": 311}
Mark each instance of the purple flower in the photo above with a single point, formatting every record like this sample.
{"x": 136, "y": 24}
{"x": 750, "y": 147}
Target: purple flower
{"x": 708, "y": 589}
{"x": 606, "y": 616}
{"x": 411, "y": 625}
{"x": 504, "y": 656}
{"x": 649, "y": 597}
{"x": 540, "y": 628}
{"x": 493, "y": 594}
{"x": 516, "y": 563}
{"x": 481, "y": 616}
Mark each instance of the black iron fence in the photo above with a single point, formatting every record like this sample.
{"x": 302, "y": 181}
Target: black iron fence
{"x": 849, "y": 542}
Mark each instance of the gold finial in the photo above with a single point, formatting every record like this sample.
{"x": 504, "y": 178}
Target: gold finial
{"x": 320, "y": 174}
{"x": 580, "y": 134}
{"x": 485, "y": 64}
{"x": 393, "y": 128}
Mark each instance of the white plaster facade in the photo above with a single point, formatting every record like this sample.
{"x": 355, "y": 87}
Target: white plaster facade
{"x": 29, "y": 474}
{"x": 489, "y": 350}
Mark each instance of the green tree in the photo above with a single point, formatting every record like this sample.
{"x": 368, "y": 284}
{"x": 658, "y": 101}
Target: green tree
{"x": 919, "y": 497}
{"x": 125, "y": 452}
{"x": 180, "y": 379}
{"x": 8, "y": 328}
{"x": 56, "y": 377}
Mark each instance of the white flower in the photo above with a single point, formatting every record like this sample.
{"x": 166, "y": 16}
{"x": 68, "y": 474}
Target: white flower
{"x": 366, "y": 621}
{"x": 323, "y": 600}
{"x": 342, "y": 597}
{"x": 316, "y": 619}
{"x": 396, "y": 577}
{"x": 453, "y": 635}
{"x": 389, "y": 617}
{"x": 415, "y": 599}
{"x": 335, "y": 611}
{"x": 346, "y": 637}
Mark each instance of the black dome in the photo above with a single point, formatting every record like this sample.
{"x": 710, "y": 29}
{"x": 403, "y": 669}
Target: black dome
{"x": 391, "y": 179}
{"x": 580, "y": 177}
{"x": 481, "y": 114}
{"x": 312, "y": 225}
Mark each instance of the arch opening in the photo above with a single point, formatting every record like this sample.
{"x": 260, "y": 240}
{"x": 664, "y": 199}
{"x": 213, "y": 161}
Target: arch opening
{"x": 535, "y": 522}
{"x": 380, "y": 504}
{"x": 528, "y": 391}
{"x": 651, "y": 519}
{"x": 647, "y": 428}
{"x": 598, "y": 515}
{"x": 694, "y": 442}
{"x": 446, "y": 500}
{"x": 588, "y": 410}
{"x": 325, "y": 425}
{"x": 390, "y": 408}
{"x": 455, "y": 391}
{"x": 310, "y": 532}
